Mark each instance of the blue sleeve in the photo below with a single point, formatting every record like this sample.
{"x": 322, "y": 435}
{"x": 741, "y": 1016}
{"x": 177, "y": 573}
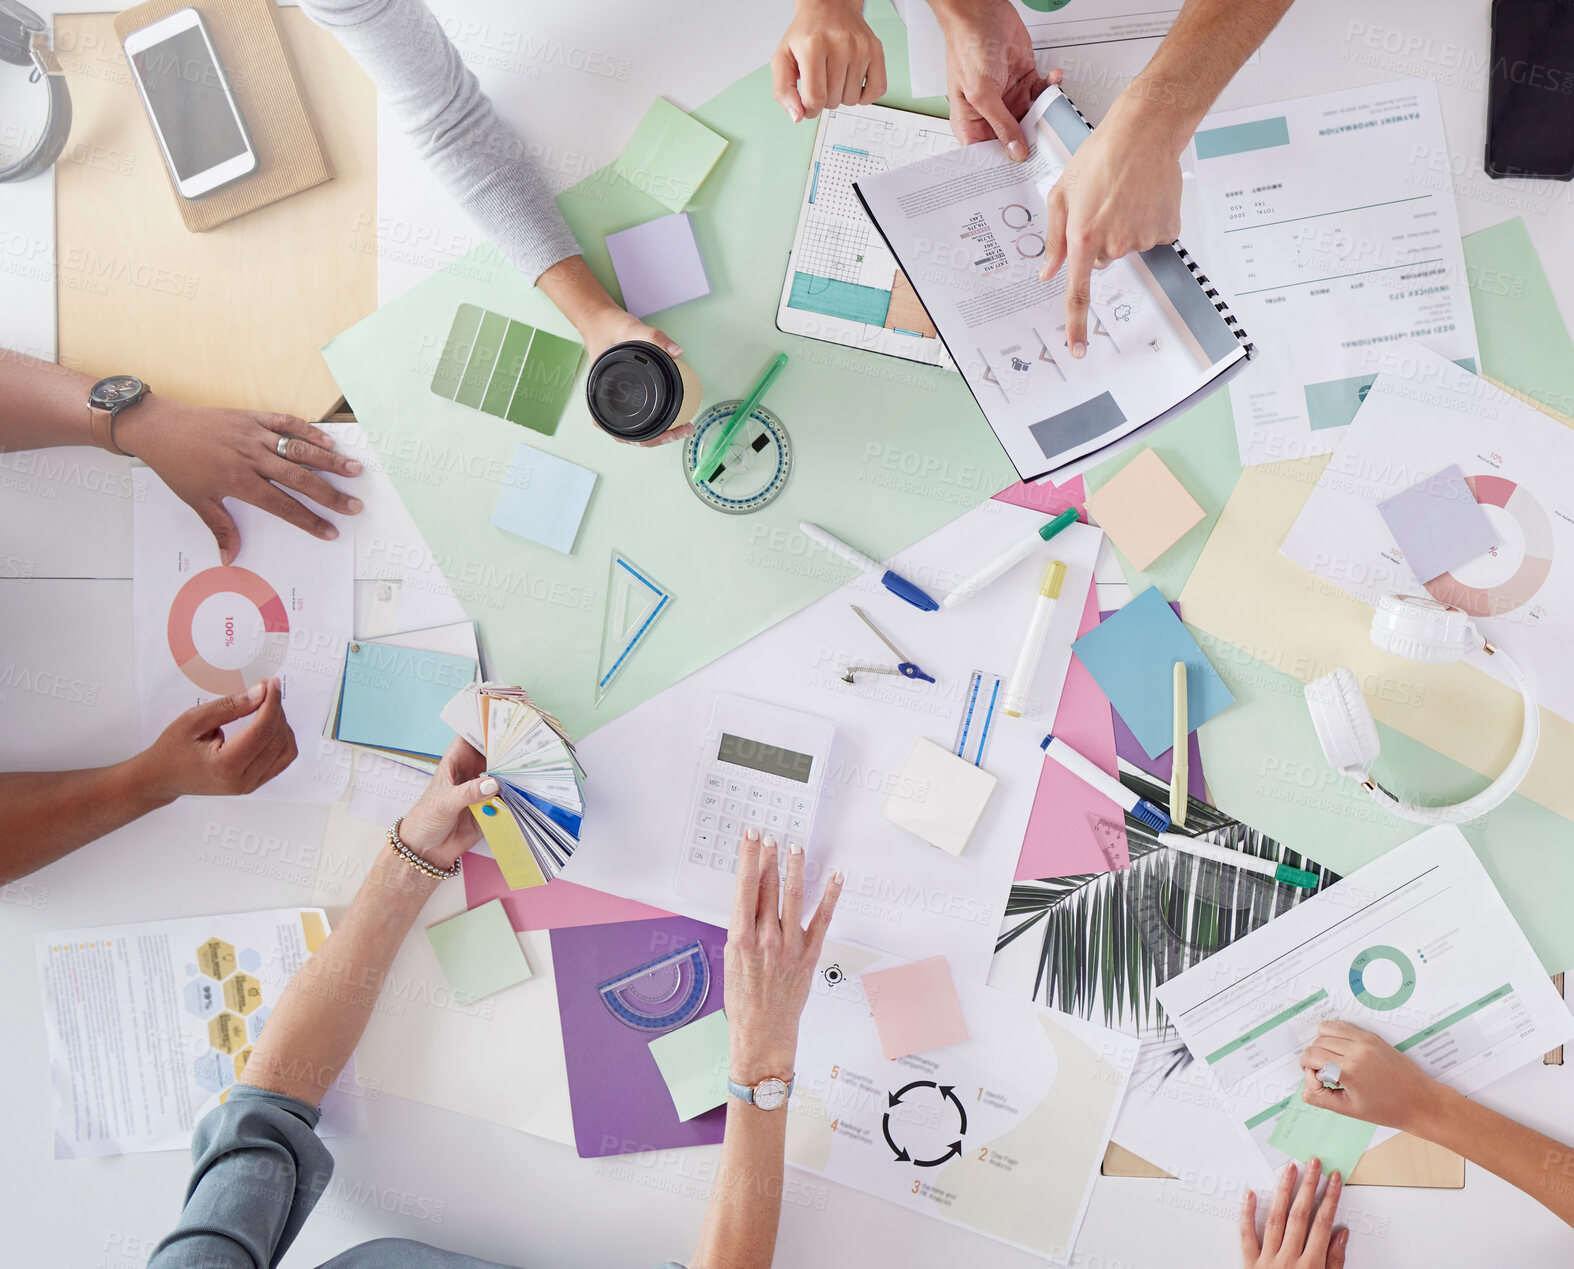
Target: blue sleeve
{"x": 258, "y": 1169}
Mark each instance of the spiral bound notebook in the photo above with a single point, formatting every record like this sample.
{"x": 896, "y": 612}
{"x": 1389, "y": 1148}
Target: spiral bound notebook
{"x": 967, "y": 228}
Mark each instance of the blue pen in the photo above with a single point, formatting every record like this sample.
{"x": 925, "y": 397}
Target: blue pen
{"x": 893, "y": 582}
{"x": 1085, "y": 769}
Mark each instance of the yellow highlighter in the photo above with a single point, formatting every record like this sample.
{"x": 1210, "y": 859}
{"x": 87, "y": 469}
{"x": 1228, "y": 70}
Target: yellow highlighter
{"x": 1178, "y": 755}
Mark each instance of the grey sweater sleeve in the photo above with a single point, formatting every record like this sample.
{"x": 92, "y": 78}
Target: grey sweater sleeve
{"x": 479, "y": 159}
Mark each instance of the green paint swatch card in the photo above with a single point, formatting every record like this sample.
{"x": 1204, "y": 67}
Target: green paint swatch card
{"x": 693, "y": 1061}
{"x": 479, "y": 952}
{"x": 669, "y": 155}
{"x": 506, "y": 369}
{"x": 1305, "y": 1131}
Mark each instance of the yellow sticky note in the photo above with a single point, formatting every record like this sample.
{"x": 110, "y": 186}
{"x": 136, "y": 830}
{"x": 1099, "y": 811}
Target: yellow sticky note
{"x": 1144, "y": 509}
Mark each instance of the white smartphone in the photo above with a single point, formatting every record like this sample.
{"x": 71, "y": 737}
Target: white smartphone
{"x": 188, "y": 98}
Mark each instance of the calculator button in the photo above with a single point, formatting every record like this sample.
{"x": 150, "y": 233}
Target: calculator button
{"x": 719, "y": 862}
{"x": 735, "y": 788}
{"x": 704, "y": 837}
{"x": 776, "y": 820}
{"x": 798, "y": 824}
{"x": 755, "y": 814}
{"x": 732, "y": 807}
{"x": 714, "y": 783}
{"x": 727, "y": 829}
{"x": 757, "y": 796}
{"x": 706, "y": 820}
{"x": 699, "y": 855}
{"x": 709, "y": 802}
{"x": 800, "y": 806}
{"x": 779, "y": 800}
{"x": 732, "y": 864}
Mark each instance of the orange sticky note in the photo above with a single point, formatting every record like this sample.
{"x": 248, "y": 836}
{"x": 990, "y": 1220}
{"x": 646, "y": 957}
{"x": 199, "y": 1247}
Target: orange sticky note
{"x": 915, "y": 1007}
{"x": 1144, "y": 509}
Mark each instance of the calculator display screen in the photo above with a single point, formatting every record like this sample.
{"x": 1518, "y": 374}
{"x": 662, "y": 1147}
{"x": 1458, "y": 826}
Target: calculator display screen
{"x": 771, "y": 759}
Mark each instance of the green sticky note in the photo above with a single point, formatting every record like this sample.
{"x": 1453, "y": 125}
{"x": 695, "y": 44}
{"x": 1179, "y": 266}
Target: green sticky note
{"x": 1304, "y": 1132}
{"x": 669, "y": 155}
{"x": 693, "y": 1060}
{"x": 479, "y": 952}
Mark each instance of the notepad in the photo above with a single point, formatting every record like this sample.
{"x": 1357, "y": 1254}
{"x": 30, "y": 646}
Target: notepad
{"x": 1304, "y": 1132}
{"x": 939, "y": 796}
{"x": 915, "y": 1007}
{"x": 1144, "y": 509}
{"x": 506, "y": 369}
{"x": 393, "y": 697}
{"x": 693, "y": 1060}
{"x": 544, "y": 498}
{"x": 1132, "y": 656}
{"x": 479, "y": 952}
{"x": 1438, "y": 524}
{"x": 670, "y": 155}
{"x": 658, "y": 264}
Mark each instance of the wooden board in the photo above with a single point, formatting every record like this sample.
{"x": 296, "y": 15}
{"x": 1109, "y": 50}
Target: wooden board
{"x": 233, "y": 316}
{"x": 1403, "y": 1161}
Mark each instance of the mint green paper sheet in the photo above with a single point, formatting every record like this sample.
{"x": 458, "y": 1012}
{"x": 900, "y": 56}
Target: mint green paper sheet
{"x": 885, "y": 451}
{"x": 479, "y": 952}
{"x": 1263, "y": 761}
{"x": 669, "y": 156}
{"x": 693, "y": 1060}
{"x": 1337, "y": 1141}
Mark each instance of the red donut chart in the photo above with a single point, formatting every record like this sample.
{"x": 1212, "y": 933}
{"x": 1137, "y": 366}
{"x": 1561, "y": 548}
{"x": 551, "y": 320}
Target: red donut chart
{"x": 1520, "y": 589}
{"x": 227, "y": 580}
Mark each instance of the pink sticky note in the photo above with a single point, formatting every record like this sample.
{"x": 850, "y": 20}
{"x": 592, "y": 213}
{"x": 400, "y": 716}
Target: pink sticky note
{"x": 554, "y": 906}
{"x": 1045, "y": 496}
{"x": 915, "y": 1007}
{"x": 1073, "y": 828}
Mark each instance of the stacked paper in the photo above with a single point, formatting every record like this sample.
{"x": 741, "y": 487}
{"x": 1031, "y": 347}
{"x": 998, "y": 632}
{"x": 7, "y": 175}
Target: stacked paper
{"x": 532, "y": 825}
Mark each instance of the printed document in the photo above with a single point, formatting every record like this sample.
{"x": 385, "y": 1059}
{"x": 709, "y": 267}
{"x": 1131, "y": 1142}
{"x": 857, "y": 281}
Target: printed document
{"x": 1330, "y": 224}
{"x": 1417, "y": 947}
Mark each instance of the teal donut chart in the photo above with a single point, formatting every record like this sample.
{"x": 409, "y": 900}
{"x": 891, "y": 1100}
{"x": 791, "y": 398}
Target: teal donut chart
{"x": 1407, "y": 981}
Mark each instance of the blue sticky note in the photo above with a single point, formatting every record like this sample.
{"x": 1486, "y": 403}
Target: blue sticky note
{"x": 1131, "y": 655}
{"x": 544, "y": 498}
{"x": 393, "y": 697}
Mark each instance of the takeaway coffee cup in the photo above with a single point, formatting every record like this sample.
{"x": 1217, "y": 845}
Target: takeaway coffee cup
{"x": 636, "y": 391}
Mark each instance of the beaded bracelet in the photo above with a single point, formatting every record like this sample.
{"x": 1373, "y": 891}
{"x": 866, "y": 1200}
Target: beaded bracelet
{"x": 414, "y": 860}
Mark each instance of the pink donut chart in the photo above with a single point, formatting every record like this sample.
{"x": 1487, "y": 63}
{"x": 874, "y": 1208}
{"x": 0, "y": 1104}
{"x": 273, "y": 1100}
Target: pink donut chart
{"x": 227, "y": 580}
{"x": 1519, "y": 589}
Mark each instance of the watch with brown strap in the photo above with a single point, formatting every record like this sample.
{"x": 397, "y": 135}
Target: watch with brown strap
{"x": 109, "y": 397}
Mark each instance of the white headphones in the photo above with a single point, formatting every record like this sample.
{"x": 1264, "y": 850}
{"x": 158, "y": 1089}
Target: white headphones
{"x": 1437, "y": 634}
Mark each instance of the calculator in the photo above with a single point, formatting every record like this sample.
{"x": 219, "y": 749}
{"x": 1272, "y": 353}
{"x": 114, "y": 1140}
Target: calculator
{"x": 762, "y": 767}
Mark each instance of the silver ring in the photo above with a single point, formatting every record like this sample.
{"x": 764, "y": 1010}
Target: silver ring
{"x": 1328, "y": 1075}
{"x": 281, "y": 447}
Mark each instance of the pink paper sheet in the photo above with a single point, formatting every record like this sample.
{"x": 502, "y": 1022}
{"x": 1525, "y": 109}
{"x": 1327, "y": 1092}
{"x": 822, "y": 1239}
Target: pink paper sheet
{"x": 1049, "y": 498}
{"x": 1062, "y": 840}
{"x": 555, "y": 906}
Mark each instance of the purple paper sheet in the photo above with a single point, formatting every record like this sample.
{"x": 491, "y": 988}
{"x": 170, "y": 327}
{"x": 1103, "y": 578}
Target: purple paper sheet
{"x": 619, "y": 1100}
{"x": 1127, "y": 747}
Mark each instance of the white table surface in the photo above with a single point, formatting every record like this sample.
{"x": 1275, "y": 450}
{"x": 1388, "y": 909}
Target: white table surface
{"x": 424, "y": 1173}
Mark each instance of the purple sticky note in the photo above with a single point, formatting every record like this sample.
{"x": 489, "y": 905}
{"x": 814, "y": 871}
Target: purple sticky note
{"x": 616, "y": 1091}
{"x": 1159, "y": 768}
{"x": 658, "y": 264}
{"x": 1438, "y": 524}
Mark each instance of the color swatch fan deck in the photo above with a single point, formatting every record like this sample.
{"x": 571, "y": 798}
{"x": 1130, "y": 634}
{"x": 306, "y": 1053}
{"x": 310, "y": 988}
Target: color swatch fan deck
{"x": 532, "y": 824}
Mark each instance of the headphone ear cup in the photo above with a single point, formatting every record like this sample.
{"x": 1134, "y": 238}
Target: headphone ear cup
{"x": 1344, "y": 725}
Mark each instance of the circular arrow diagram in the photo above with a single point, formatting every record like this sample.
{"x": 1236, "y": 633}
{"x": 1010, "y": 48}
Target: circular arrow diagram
{"x": 947, "y": 1092}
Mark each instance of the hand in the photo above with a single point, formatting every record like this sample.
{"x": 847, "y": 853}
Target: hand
{"x": 1120, "y": 193}
{"x": 606, "y": 325}
{"x": 830, "y": 48}
{"x": 439, "y": 828}
{"x": 770, "y": 959}
{"x": 193, "y": 756}
{"x": 1378, "y": 1083}
{"x": 208, "y": 454}
{"x": 991, "y": 78}
{"x": 1293, "y": 1239}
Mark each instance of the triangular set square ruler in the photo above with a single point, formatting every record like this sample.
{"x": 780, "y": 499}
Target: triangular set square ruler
{"x": 635, "y": 600}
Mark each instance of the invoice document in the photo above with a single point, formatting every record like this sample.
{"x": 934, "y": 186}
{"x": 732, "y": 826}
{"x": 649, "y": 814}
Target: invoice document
{"x": 1330, "y": 223}
{"x": 1417, "y": 947}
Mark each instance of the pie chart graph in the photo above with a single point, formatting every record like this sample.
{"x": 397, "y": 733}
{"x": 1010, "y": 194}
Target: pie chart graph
{"x": 228, "y": 629}
{"x": 1528, "y": 522}
{"x": 1401, "y": 985}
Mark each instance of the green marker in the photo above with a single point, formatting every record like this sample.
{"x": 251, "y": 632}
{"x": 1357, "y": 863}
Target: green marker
{"x": 712, "y": 456}
{"x": 1297, "y": 877}
{"x": 1009, "y": 559}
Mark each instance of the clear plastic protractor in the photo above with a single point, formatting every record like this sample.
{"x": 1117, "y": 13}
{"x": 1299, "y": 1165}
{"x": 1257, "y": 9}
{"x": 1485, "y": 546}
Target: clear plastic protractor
{"x": 754, "y": 470}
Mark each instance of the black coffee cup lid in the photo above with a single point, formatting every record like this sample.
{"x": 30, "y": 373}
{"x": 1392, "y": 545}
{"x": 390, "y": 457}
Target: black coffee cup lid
{"x": 634, "y": 390}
